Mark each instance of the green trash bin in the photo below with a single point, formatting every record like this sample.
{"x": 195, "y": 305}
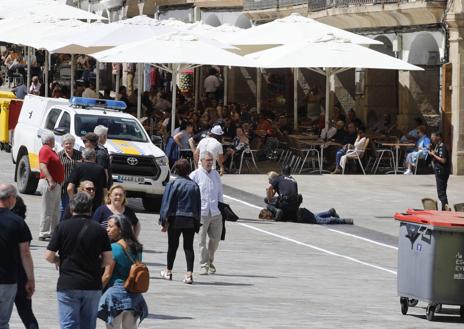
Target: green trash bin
{"x": 431, "y": 260}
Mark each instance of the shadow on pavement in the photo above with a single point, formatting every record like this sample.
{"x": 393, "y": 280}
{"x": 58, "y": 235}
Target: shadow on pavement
{"x": 223, "y": 284}
{"x": 247, "y": 276}
{"x": 168, "y": 317}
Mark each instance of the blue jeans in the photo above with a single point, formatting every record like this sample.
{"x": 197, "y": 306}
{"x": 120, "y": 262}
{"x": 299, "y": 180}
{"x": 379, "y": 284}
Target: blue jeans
{"x": 64, "y": 203}
{"x": 326, "y": 218}
{"x": 78, "y": 308}
{"x": 7, "y": 297}
{"x": 338, "y": 156}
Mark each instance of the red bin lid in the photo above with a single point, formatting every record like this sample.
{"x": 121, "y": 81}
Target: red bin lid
{"x": 446, "y": 219}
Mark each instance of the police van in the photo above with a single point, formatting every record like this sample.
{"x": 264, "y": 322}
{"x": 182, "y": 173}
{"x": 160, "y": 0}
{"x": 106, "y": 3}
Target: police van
{"x": 136, "y": 163}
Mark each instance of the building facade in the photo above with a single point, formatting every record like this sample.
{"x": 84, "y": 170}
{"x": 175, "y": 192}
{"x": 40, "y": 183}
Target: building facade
{"x": 427, "y": 33}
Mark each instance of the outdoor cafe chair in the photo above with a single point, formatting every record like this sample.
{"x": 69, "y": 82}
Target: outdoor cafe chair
{"x": 429, "y": 204}
{"x": 384, "y": 156}
{"x": 358, "y": 155}
{"x": 247, "y": 156}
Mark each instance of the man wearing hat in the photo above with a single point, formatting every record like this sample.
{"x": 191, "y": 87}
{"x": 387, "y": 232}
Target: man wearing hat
{"x": 212, "y": 144}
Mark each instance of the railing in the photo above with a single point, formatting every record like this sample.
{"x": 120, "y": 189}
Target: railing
{"x": 317, "y": 5}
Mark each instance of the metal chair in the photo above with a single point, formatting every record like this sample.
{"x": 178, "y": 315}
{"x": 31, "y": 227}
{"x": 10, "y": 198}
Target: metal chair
{"x": 429, "y": 204}
{"x": 310, "y": 155}
{"x": 358, "y": 155}
{"x": 245, "y": 156}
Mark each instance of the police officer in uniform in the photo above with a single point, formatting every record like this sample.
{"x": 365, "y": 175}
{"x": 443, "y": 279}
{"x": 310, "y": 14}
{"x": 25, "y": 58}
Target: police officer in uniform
{"x": 442, "y": 167}
{"x": 285, "y": 205}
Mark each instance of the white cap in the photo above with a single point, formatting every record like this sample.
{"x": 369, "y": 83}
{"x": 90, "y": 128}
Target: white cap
{"x": 217, "y": 130}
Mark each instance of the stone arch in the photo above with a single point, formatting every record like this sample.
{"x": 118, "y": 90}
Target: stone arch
{"x": 424, "y": 50}
{"x": 212, "y": 20}
{"x": 385, "y": 48}
{"x": 243, "y": 22}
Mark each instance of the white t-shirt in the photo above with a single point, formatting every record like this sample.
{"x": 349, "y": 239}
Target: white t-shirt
{"x": 211, "y": 145}
{"x": 211, "y": 84}
{"x": 89, "y": 93}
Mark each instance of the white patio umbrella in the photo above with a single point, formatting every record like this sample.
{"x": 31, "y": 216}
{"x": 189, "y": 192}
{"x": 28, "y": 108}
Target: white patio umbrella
{"x": 43, "y": 8}
{"x": 18, "y": 31}
{"x": 173, "y": 52}
{"x": 327, "y": 56}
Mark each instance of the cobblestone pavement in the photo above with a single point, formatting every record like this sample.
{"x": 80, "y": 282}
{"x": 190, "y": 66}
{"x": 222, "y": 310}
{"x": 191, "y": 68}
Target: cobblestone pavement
{"x": 278, "y": 275}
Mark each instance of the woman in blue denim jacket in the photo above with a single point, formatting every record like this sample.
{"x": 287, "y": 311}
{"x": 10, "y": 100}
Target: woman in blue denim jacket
{"x": 119, "y": 308}
{"x": 180, "y": 214}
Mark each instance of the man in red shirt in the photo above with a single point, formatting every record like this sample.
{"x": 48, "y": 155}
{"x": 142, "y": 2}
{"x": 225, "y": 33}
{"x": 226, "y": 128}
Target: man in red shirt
{"x": 51, "y": 179}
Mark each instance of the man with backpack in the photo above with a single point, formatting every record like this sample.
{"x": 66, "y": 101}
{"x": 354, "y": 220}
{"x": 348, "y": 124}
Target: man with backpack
{"x": 81, "y": 248}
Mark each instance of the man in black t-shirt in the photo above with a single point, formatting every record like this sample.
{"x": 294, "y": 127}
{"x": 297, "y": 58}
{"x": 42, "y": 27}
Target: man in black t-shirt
{"x": 285, "y": 205}
{"x": 14, "y": 248}
{"x": 88, "y": 170}
{"x": 441, "y": 166}
{"x": 96, "y": 141}
{"x": 81, "y": 248}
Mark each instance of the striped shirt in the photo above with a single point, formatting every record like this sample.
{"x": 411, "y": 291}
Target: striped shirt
{"x": 68, "y": 163}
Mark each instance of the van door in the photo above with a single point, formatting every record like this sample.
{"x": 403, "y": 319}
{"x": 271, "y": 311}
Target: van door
{"x": 49, "y": 124}
{"x": 62, "y": 127}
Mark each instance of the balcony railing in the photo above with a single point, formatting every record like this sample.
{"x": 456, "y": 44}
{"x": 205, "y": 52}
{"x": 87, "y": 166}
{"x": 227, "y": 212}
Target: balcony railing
{"x": 317, "y": 5}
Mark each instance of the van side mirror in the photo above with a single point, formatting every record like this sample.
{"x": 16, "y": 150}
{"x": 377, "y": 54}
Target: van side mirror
{"x": 60, "y": 131}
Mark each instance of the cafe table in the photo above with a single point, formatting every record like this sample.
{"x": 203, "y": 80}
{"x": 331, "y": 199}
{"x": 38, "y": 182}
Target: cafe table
{"x": 397, "y": 146}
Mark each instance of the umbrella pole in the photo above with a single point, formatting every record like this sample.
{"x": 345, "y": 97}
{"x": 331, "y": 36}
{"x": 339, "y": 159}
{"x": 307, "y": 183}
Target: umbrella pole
{"x": 226, "y": 84}
{"x": 28, "y": 83}
{"x": 47, "y": 61}
{"x": 175, "y": 71}
{"x": 97, "y": 79}
{"x": 72, "y": 75}
{"x": 196, "y": 86}
{"x": 295, "y": 98}
{"x": 328, "y": 75}
{"x": 139, "y": 90}
{"x": 258, "y": 90}
{"x": 118, "y": 78}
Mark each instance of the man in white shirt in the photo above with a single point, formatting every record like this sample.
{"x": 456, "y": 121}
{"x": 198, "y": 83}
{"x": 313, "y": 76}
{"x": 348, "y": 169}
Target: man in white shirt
{"x": 89, "y": 91}
{"x": 211, "y": 83}
{"x": 212, "y": 144}
{"x": 211, "y": 194}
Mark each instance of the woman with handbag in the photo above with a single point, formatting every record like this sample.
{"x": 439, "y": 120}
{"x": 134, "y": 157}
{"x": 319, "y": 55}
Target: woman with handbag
{"x": 118, "y": 307}
{"x": 180, "y": 215}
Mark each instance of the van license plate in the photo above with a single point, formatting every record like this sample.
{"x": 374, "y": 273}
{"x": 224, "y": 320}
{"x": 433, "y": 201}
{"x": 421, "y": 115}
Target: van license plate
{"x": 132, "y": 179}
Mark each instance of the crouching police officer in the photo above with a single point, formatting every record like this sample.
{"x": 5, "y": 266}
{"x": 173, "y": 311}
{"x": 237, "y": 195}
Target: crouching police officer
{"x": 285, "y": 205}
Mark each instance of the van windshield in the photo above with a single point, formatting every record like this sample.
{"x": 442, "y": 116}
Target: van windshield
{"x": 118, "y": 128}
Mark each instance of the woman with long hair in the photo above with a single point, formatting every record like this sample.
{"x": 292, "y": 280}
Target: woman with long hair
{"x": 116, "y": 204}
{"x": 180, "y": 215}
{"x": 22, "y": 301}
{"x": 119, "y": 308}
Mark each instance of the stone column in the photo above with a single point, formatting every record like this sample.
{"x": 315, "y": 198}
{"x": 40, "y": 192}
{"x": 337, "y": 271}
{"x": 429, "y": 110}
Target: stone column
{"x": 456, "y": 58}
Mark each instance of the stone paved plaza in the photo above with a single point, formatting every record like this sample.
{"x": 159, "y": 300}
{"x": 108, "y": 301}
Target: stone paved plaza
{"x": 278, "y": 275}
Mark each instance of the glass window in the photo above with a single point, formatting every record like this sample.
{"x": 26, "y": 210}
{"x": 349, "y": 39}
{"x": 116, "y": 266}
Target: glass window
{"x": 65, "y": 121}
{"x": 118, "y": 128}
{"x": 52, "y": 118}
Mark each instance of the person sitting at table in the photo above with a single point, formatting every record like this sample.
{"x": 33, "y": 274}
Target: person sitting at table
{"x": 412, "y": 135}
{"x": 328, "y": 134}
{"x": 285, "y": 205}
{"x": 235, "y": 150}
{"x": 422, "y": 147}
{"x": 357, "y": 121}
{"x": 384, "y": 126}
{"x": 341, "y": 135}
{"x": 349, "y": 151}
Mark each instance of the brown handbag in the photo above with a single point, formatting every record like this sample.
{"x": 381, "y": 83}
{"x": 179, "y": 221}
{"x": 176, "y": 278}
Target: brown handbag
{"x": 138, "y": 280}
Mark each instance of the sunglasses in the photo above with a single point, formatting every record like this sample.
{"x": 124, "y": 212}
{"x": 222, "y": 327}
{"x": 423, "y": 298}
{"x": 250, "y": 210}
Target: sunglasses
{"x": 90, "y": 189}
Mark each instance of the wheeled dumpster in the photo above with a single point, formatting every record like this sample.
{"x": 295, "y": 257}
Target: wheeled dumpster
{"x": 9, "y": 114}
{"x": 431, "y": 260}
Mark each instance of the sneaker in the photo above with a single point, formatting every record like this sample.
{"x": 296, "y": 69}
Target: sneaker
{"x": 408, "y": 172}
{"x": 166, "y": 275}
{"x": 212, "y": 269}
{"x": 188, "y": 279}
{"x": 333, "y": 213}
{"x": 204, "y": 270}
{"x": 348, "y": 221}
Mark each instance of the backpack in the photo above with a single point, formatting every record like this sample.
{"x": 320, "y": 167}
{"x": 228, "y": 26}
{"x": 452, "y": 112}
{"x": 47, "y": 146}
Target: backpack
{"x": 138, "y": 280}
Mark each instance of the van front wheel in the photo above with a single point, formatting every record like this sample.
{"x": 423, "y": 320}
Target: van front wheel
{"x": 26, "y": 180}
